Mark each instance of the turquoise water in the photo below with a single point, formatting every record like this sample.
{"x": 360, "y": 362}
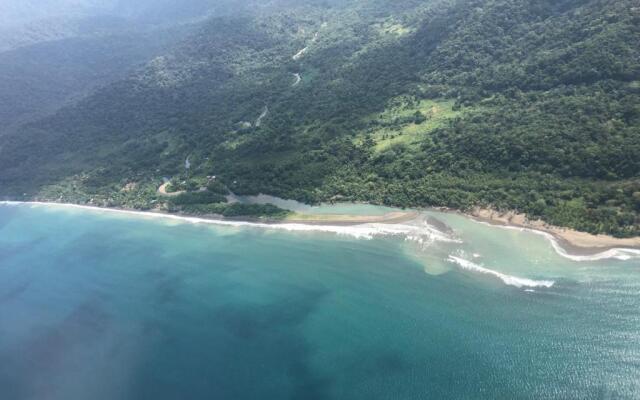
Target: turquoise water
{"x": 98, "y": 305}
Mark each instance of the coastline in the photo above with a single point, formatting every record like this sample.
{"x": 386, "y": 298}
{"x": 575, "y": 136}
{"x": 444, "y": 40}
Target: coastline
{"x": 572, "y": 241}
{"x": 374, "y": 226}
{"x": 395, "y": 217}
{"x": 345, "y": 219}
{"x": 402, "y": 223}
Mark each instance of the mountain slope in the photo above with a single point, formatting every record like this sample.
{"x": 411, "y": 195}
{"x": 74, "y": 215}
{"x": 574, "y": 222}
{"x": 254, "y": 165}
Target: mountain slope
{"x": 37, "y": 80}
{"x": 57, "y": 52}
{"x": 527, "y": 105}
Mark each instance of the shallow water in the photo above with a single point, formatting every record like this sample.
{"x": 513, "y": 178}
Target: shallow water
{"x": 102, "y": 305}
{"x": 322, "y": 209}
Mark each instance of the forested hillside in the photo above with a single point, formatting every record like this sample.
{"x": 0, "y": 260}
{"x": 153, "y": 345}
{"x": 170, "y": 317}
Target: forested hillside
{"x": 56, "y": 52}
{"x": 525, "y": 105}
{"x": 37, "y": 80}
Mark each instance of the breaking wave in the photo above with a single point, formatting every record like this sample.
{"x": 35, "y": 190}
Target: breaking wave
{"x": 621, "y": 254}
{"x": 508, "y": 279}
{"x": 421, "y": 233}
{"x": 618, "y": 253}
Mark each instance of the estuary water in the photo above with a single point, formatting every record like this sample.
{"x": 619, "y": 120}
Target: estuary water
{"x": 109, "y": 305}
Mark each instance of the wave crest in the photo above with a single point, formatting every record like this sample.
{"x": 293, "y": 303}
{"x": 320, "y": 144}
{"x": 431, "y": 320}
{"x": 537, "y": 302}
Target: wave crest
{"x": 618, "y": 253}
{"x": 508, "y": 279}
{"x": 422, "y": 233}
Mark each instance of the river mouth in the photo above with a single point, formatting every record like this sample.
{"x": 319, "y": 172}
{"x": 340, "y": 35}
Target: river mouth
{"x": 149, "y": 306}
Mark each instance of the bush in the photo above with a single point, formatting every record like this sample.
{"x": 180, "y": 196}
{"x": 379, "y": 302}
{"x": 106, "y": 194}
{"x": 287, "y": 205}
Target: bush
{"x": 216, "y": 186}
{"x": 205, "y": 197}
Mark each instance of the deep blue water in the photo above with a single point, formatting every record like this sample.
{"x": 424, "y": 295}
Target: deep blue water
{"x": 107, "y": 306}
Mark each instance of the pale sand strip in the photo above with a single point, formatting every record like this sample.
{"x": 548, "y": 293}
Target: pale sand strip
{"x": 389, "y": 218}
{"x": 391, "y": 223}
{"x": 572, "y": 240}
{"x": 360, "y": 231}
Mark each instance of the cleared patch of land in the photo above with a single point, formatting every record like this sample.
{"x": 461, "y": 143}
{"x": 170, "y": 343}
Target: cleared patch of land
{"x": 408, "y": 122}
{"x": 394, "y": 28}
{"x": 163, "y": 191}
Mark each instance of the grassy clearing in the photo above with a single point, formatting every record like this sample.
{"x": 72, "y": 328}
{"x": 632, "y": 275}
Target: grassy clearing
{"x": 407, "y": 122}
{"x": 395, "y": 29}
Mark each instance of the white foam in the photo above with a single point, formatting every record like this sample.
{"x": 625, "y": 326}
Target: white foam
{"x": 425, "y": 234}
{"x": 421, "y": 233}
{"x": 508, "y": 279}
{"x": 618, "y": 253}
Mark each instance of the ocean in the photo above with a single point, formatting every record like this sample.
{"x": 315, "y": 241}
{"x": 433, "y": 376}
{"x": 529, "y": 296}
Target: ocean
{"x": 111, "y": 305}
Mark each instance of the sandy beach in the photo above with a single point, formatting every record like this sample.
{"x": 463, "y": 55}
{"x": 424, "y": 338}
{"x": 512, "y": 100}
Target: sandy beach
{"x": 567, "y": 242}
{"x": 572, "y": 241}
{"x": 345, "y": 219}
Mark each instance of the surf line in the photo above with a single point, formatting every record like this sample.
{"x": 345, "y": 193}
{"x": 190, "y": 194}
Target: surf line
{"x": 358, "y": 231}
{"x": 618, "y": 253}
{"x": 507, "y": 279}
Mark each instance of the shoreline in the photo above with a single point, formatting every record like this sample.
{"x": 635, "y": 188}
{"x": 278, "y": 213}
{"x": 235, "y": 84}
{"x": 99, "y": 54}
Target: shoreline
{"x": 571, "y": 241}
{"x": 393, "y": 224}
{"x": 395, "y": 217}
{"x": 376, "y": 226}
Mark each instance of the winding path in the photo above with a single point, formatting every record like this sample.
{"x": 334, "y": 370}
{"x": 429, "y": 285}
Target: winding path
{"x": 297, "y": 81}
{"x": 301, "y": 53}
{"x": 163, "y": 191}
{"x": 265, "y": 112}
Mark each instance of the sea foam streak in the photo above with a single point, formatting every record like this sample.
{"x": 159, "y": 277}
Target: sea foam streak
{"x": 422, "y": 233}
{"x": 508, "y": 279}
{"x": 618, "y": 253}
